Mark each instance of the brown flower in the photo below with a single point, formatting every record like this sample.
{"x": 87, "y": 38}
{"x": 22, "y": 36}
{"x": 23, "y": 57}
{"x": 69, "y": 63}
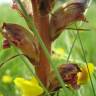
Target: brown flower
{"x": 67, "y": 14}
{"x": 69, "y": 73}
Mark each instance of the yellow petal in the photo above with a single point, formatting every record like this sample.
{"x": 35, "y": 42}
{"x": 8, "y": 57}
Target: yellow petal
{"x": 6, "y": 79}
{"x": 59, "y": 51}
{"x": 34, "y": 80}
{"x": 83, "y": 76}
{"x": 27, "y": 87}
{"x": 90, "y": 67}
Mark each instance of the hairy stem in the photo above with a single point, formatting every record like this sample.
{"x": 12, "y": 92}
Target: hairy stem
{"x": 42, "y": 25}
{"x": 33, "y": 29}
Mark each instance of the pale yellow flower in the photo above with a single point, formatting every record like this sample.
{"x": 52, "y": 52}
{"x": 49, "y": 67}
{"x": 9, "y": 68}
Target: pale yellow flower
{"x": 58, "y": 53}
{"x": 28, "y": 87}
{"x": 7, "y": 79}
{"x": 83, "y": 76}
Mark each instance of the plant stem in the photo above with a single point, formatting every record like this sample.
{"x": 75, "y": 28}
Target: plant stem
{"x": 33, "y": 29}
{"x": 42, "y": 25}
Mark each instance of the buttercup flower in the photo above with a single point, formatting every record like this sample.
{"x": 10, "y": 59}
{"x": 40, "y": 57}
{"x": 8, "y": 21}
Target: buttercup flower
{"x": 7, "y": 79}
{"x": 83, "y": 76}
{"x": 28, "y": 87}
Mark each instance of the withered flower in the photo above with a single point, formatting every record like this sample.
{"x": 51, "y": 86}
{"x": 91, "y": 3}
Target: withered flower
{"x": 67, "y": 14}
{"x": 73, "y": 75}
{"x": 21, "y": 38}
{"x": 69, "y": 73}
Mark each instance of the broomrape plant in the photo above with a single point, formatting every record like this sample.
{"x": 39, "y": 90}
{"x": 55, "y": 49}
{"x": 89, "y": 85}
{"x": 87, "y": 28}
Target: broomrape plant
{"x": 44, "y": 26}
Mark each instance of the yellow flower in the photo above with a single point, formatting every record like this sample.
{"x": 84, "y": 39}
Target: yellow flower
{"x": 28, "y": 87}
{"x": 7, "y": 79}
{"x": 58, "y": 53}
{"x": 83, "y": 76}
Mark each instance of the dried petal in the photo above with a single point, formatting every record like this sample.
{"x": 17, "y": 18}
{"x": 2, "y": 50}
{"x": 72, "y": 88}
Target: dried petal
{"x": 6, "y": 44}
{"x": 22, "y": 39}
{"x": 69, "y": 75}
{"x": 67, "y": 14}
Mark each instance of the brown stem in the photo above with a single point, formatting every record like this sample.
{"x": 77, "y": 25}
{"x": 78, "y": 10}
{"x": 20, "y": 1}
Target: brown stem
{"x": 42, "y": 25}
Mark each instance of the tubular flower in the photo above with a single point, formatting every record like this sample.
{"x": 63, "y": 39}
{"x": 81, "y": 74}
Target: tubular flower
{"x": 69, "y": 73}
{"x": 83, "y": 76}
{"x": 28, "y": 87}
{"x": 7, "y": 79}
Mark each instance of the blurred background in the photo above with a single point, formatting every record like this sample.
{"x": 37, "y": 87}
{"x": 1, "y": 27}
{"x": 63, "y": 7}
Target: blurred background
{"x": 17, "y": 67}
{"x": 5, "y": 1}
